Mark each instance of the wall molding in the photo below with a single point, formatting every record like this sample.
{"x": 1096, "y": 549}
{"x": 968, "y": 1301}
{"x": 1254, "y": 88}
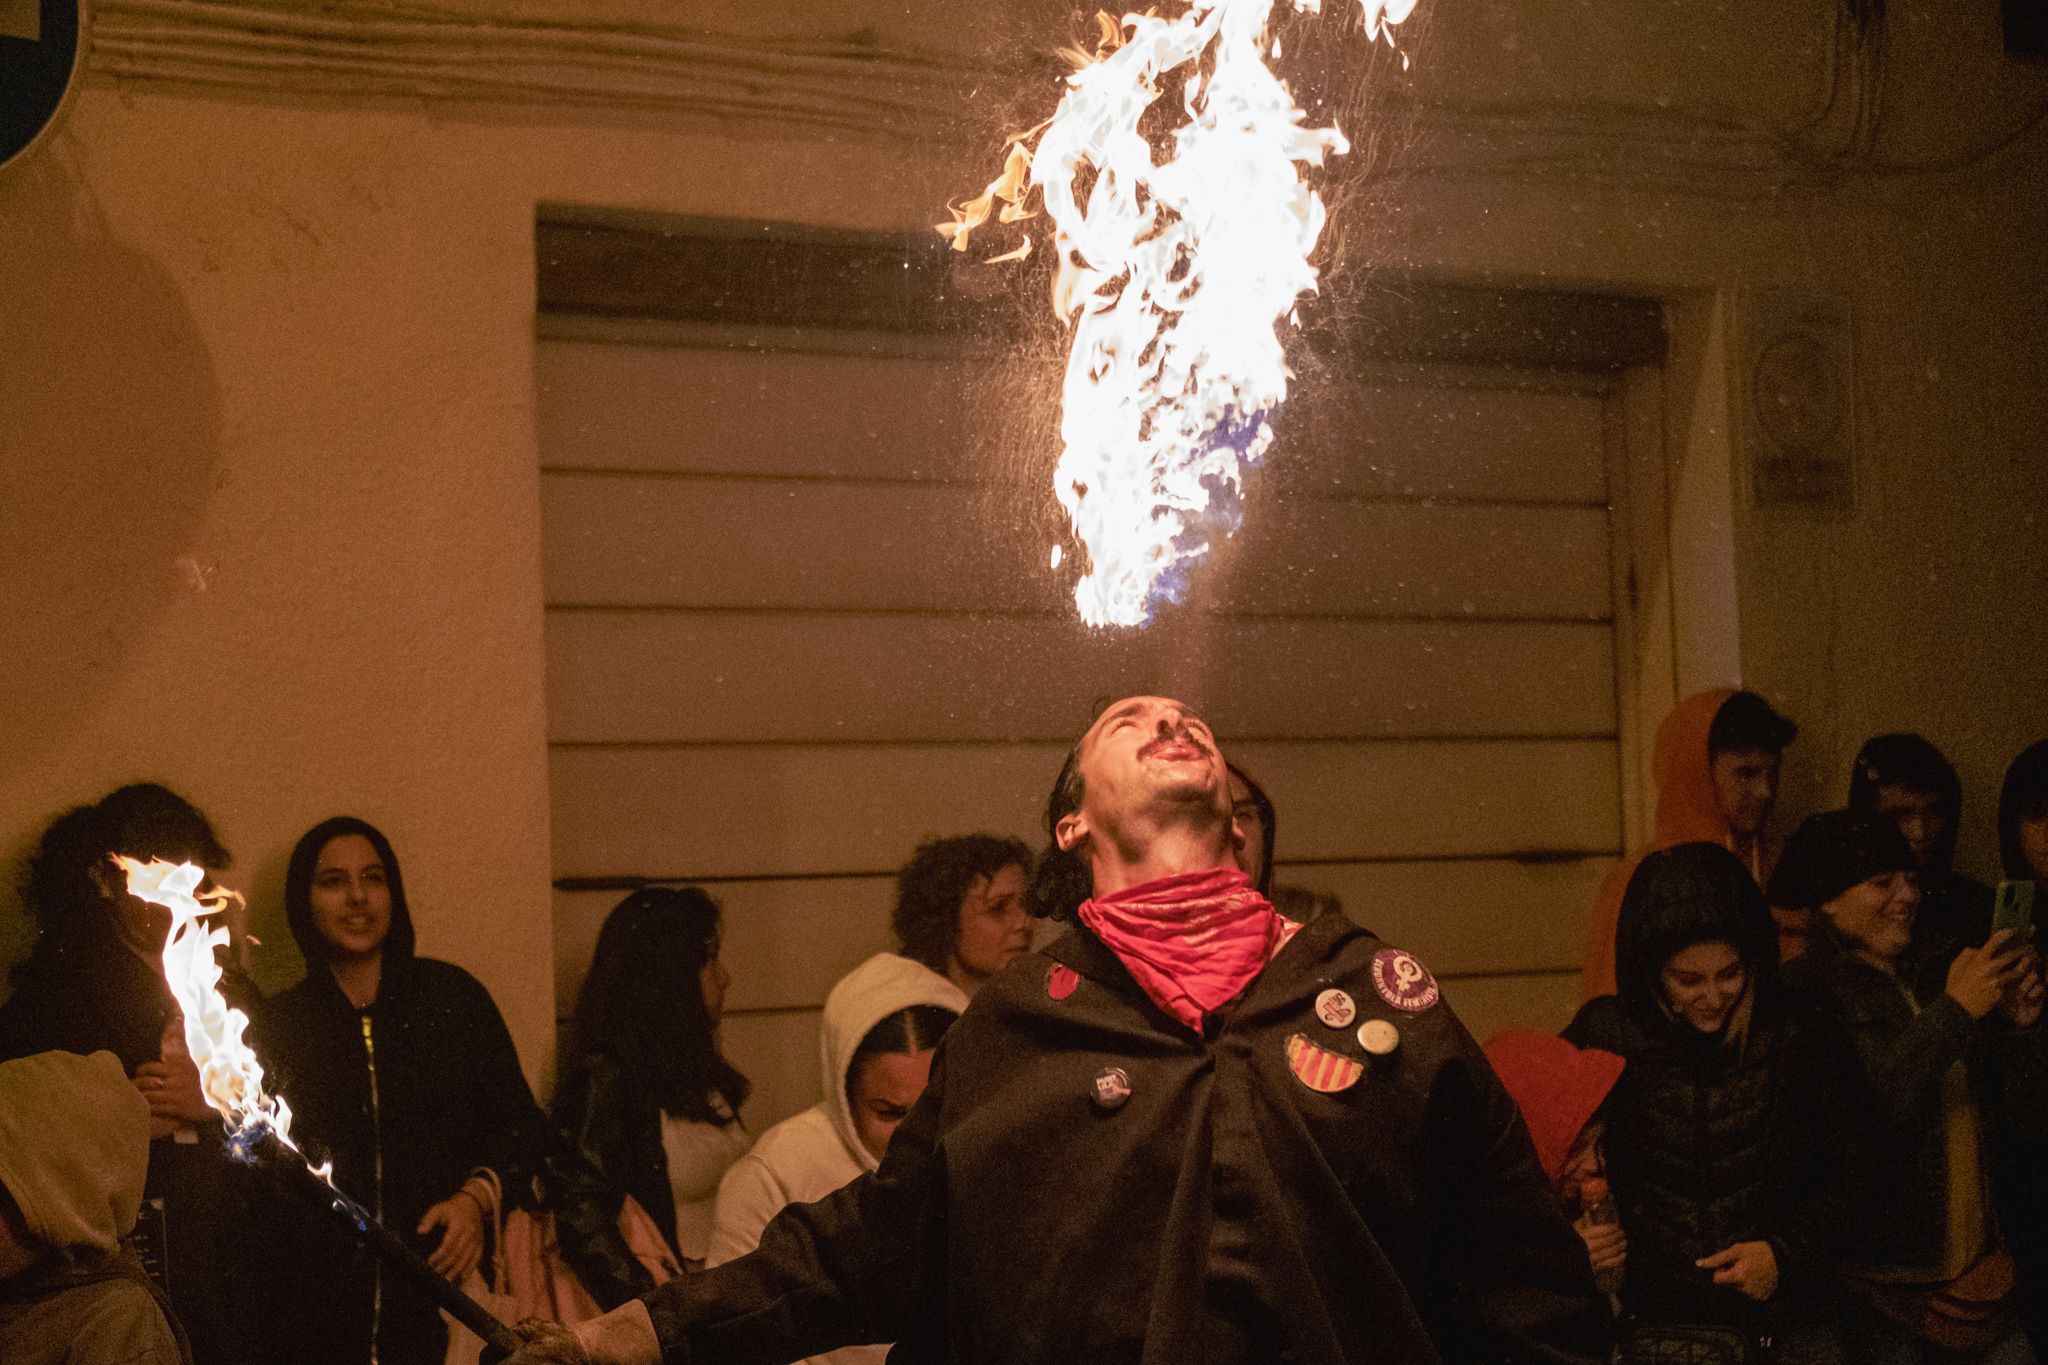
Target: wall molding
{"x": 370, "y": 52}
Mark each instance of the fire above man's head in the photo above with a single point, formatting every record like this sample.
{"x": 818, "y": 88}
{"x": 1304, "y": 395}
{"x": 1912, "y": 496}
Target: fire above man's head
{"x": 1175, "y": 268}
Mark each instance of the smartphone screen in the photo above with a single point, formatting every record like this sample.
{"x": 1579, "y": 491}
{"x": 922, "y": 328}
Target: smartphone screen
{"x": 2014, "y": 907}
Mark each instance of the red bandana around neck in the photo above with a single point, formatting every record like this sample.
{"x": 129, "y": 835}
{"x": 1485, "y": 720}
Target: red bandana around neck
{"x": 1192, "y": 941}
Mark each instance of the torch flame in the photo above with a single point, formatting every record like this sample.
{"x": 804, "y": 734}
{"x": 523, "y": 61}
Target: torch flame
{"x": 229, "y": 1074}
{"x": 1175, "y": 275}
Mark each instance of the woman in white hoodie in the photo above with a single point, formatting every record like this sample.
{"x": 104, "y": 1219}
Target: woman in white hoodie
{"x": 880, "y": 1025}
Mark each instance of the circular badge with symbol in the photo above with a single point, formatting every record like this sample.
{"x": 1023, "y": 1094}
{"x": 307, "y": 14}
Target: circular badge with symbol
{"x": 1402, "y": 981}
{"x": 1111, "y": 1088}
{"x": 1336, "y": 1009}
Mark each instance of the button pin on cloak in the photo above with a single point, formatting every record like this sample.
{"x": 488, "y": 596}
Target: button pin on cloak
{"x": 1111, "y": 1087}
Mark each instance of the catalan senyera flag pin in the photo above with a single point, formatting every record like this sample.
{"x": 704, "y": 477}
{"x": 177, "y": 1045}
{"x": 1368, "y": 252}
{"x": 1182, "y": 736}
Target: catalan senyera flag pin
{"x": 1320, "y": 1069}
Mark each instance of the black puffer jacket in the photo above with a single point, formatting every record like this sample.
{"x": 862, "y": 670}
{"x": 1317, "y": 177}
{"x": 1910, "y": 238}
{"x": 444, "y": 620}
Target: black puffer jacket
{"x": 1710, "y": 1142}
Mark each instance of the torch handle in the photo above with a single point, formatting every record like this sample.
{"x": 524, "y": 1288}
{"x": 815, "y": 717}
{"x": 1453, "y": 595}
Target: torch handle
{"x": 439, "y": 1287}
{"x": 409, "y": 1263}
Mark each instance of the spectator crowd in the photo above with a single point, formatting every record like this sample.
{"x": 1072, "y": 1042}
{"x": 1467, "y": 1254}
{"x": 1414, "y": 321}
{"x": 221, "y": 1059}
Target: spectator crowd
{"x": 1802, "y": 1115}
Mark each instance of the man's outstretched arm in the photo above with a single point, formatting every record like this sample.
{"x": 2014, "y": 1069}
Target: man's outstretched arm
{"x": 843, "y": 1271}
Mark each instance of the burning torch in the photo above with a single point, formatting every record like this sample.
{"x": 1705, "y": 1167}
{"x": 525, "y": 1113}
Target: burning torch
{"x": 259, "y": 1124}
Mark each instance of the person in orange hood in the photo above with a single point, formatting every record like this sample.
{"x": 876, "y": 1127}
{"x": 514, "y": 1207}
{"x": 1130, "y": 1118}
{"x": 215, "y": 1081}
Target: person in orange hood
{"x": 1717, "y": 759}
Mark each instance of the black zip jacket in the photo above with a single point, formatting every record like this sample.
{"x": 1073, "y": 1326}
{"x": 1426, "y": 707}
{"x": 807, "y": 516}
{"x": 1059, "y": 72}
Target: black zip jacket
{"x": 1710, "y": 1143}
{"x": 407, "y": 1098}
{"x": 1224, "y": 1212}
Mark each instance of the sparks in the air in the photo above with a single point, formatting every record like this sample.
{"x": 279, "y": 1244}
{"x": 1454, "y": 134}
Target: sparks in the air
{"x": 229, "y": 1074}
{"x": 1176, "y": 270}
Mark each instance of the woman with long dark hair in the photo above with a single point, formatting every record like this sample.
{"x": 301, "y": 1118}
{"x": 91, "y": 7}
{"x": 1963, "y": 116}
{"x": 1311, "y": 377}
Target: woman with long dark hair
{"x": 399, "y": 1070}
{"x": 649, "y": 1099}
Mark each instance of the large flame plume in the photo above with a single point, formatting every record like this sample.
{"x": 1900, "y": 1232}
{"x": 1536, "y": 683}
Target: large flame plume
{"x": 229, "y": 1074}
{"x": 1176, "y": 270}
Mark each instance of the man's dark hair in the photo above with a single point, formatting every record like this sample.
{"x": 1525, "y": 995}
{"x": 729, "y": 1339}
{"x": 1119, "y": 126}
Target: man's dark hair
{"x": 1747, "y": 721}
{"x": 1268, "y": 825}
{"x": 1911, "y": 762}
{"x": 643, "y": 1002}
{"x": 57, "y": 887}
{"x": 915, "y": 1028}
{"x": 932, "y": 884}
{"x": 151, "y": 821}
{"x": 1062, "y": 881}
{"x": 143, "y": 820}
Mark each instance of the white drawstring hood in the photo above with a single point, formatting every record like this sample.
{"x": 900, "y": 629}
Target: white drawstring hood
{"x": 864, "y": 997}
{"x": 807, "y": 1157}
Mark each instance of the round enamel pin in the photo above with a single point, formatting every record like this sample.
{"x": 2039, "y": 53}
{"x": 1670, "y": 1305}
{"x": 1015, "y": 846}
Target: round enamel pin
{"x": 1336, "y": 1009}
{"x": 1402, "y": 981}
{"x": 1112, "y": 1086}
{"x": 1060, "y": 982}
{"x": 1320, "y": 1069}
{"x": 1378, "y": 1037}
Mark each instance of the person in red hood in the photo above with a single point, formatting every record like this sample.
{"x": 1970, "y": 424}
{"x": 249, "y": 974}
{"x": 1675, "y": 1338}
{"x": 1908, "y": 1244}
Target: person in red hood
{"x": 1717, "y": 765}
{"x": 1560, "y": 1089}
{"x": 1188, "y": 1130}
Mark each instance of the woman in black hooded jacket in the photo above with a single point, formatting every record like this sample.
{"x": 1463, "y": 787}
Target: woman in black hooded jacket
{"x": 1720, "y": 1136}
{"x": 400, "y": 1070}
{"x": 1908, "y": 781}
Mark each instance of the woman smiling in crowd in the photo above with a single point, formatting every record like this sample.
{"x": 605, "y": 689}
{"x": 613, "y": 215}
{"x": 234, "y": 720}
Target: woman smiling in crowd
{"x": 960, "y": 907}
{"x": 400, "y": 1069}
{"x": 1718, "y": 1136}
{"x": 1945, "y": 1048}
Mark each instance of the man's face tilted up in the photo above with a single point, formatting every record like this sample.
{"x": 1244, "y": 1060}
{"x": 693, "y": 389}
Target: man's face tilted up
{"x": 1147, "y": 765}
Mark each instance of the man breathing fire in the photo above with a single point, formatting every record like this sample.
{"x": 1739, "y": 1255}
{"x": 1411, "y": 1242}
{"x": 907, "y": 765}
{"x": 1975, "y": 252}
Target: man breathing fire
{"x": 1190, "y": 1130}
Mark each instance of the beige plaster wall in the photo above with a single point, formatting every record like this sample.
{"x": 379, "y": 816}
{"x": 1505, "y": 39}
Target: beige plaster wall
{"x": 271, "y": 510}
{"x": 269, "y": 529}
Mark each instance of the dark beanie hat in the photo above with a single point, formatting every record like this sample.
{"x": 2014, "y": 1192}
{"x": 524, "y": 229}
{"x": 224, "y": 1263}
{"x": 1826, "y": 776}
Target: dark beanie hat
{"x": 1831, "y": 852}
